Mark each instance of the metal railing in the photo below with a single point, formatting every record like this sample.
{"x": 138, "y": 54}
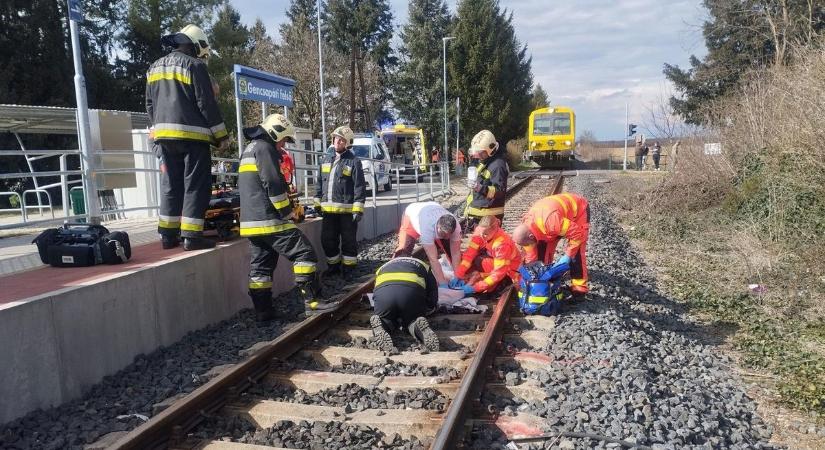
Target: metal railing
{"x": 310, "y": 176}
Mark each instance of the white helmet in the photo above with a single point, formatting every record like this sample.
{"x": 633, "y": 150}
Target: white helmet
{"x": 484, "y": 140}
{"x": 279, "y": 127}
{"x": 346, "y": 134}
{"x": 190, "y": 34}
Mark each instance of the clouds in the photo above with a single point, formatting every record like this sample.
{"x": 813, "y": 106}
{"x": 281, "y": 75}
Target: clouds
{"x": 592, "y": 55}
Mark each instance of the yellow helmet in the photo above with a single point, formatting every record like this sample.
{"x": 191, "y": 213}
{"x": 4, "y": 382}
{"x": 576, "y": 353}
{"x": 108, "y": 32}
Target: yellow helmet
{"x": 197, "y": 37}
{"x": 484, "y": 140}
{"x": 345, "y": 133}
{"x": 279, "y": 127}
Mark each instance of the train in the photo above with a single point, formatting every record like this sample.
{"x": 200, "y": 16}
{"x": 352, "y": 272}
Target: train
{"x": 551, "y": 137}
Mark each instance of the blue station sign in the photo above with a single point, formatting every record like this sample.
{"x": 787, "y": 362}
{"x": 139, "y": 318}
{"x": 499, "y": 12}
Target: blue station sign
{"x": 260, "y": 86}
{"x": 75, "y": 11}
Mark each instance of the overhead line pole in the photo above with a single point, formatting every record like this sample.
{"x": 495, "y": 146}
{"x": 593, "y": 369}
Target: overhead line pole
{"x": 626, "y": 132}
{"x": 321, "y": 77}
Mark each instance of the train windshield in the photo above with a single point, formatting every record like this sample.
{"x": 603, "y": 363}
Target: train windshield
{"x": 552, "y": 124}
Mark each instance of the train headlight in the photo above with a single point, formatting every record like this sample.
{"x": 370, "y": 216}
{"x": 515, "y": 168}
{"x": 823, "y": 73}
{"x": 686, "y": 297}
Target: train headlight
{"x": 533, "y": 144}
{"x": 568, "y": 143}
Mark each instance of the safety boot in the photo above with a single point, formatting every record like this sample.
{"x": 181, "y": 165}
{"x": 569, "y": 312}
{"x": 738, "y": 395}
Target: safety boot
{"x": 348, "y": 273}
{"x": 197, "y": 243}
{"x": 380, "y": 334}
{"x": 309, "y": 290}
{"x": 262, "y": 301}
{"x": 332, "y": 270}
{"x": 421, "y": 330}
{"x": 169, "y": 241}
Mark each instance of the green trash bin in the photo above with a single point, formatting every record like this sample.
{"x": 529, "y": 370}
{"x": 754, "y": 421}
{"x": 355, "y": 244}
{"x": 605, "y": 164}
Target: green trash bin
{"x": 78, "y": 205}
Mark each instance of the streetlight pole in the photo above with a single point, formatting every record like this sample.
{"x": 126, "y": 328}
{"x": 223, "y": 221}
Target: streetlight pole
{"x": 444, "y": 57}
{"x": 321, "y": 77}
{"x": 626, "y": 132}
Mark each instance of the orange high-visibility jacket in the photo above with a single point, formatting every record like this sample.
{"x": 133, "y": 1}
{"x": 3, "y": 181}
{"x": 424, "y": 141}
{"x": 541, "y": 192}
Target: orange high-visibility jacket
{"x": 504, "y": 259}
{"x": 555, "y": 217}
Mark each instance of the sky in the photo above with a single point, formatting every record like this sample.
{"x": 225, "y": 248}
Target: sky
{"x": 592, "y": 55}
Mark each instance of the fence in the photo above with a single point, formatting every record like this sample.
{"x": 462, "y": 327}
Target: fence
{"x": 152, "y": 169}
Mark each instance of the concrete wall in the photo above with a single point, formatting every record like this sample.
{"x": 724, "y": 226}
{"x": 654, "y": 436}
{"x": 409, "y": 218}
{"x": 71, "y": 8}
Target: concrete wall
{"x": 58, "y": 345}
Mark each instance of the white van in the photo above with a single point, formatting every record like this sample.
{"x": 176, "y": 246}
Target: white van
{"x": 378, "y": 173}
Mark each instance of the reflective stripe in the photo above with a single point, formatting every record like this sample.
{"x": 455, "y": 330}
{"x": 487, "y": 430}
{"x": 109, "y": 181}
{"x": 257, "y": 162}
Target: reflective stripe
{"x": 346, "y": 170}
{"x": 326, "y": 167}
{"x": 334, "y": 259}
{"x": 260, "y": 284}
{"x": 403, "y": 258}
{"x": 169, "y": 73}
{"x": 572, "y": 203}
{"x": 170, "y": 225}
{"x": 180, "y": 131}
{"x": 303, "y": 268}
{"x": 247, "y": 168}
{"x": 333, "y": 207}
{"x": 565, "y": 224}
{"x": 498, "y": 241}
{"x": 485, "y": 174}
{"x": 258, "y": 227}
{"x": 280, "y": 201}
{"x": 248, "y": 160}
{"x": 316, "y": 201}
{"x": 191, "y": 224}
{"x": 399, "y": 276}
{"x": 474, "y": 244}
{"x": 218, "y": 130}
{"x": 485, "y": 211}
{"x": 488, "y": 281}
{"x": 465, "y": 264}
{"x": 350, "y": 260}
{"x": 578, "y": 281}
{"x": 357, "y": 207}
{"x": 497, "y": 263}
{"x": 541, "y": 225}
{"x": 537, "y": 299}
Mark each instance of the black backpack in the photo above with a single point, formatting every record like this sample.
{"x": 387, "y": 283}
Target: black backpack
{"x": 80, "y": 244}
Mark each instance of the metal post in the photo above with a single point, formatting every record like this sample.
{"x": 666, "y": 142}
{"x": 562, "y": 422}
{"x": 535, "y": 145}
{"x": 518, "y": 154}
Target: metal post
{"x": 64, "y": 186}
{"x": 321, "y": 78}
{"x": 444, "y": 57}
{"x": 626, "y": 132}
{"x": 286, "y": 112}
{"x": 432, "y": 168}
{"x": 238, "y": 117}
{"x": 457, "y": 122}
{"x": 87, "y": 159}
{"x": 398, "y": 186}
{"x": 416, "y": 183}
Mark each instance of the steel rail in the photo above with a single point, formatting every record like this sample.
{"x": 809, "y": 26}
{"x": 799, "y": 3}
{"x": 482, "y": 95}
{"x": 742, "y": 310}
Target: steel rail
{"x": 451, "y": 433}
{"x": 170, "y": 426}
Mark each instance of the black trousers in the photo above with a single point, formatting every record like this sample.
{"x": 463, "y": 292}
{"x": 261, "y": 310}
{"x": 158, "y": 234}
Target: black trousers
{"x": 656, "y": 158}
{"x": 338, "y": 233}
{"x": 264, "y": 252}
{"x": 185, "y": 187}
{"x": 399, "y": 304}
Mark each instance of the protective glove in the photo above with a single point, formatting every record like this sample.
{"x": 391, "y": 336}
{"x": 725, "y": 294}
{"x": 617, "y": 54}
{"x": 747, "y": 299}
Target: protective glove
{"x": 456, "y": 283}
{"x": 356, "y": 217}
{"x": 468, "y": 289}
{"x": 563, "y": 260}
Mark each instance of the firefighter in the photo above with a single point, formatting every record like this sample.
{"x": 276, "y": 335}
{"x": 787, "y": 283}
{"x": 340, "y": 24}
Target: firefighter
{"x": 492, "y": 255}
{"x": 550, "y": 219}
{"x": 436, "y": 229}
{"x": 340, "y": 201}
{"x": 266, "y": 218}
{"x": 490, "y": 185}
{"x": 185, "y": 121}
{"x": 405, "y": 292}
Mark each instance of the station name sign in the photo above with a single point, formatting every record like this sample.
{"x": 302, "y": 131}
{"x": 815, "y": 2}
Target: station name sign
{"x": 259, "y": 86}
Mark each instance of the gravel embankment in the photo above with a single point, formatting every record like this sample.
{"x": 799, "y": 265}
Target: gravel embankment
{"x": 630, "y": 365}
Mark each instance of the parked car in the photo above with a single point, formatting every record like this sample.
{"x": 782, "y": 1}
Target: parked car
{"x": 375, "y": 172}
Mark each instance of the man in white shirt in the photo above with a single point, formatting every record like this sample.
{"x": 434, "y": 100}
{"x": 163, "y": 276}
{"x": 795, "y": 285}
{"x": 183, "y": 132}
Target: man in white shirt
{"x": 436, "y": 229}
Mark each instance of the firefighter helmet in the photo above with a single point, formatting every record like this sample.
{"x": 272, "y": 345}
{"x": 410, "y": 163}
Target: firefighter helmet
{"x": 345, "y": 133}
{"x": 484, "y": 140}
{"x": 190, "y": 34}
{"x": 279, "y": 127}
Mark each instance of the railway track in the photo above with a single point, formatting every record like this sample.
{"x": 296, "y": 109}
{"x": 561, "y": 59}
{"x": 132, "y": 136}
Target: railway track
{"x": 323, "y": 377}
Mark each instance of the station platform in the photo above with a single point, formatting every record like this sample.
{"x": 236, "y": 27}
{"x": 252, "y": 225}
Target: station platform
{"x": 64, "y": 329}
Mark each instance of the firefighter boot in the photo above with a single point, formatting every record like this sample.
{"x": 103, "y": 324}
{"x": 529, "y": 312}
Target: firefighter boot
{"x": 380, "y": 334}
{"x": 262, "y": 300}
{"x": 168, "y": 241}
{"x": 348, "y": 273}
{"x": 421, "y": 330}
{"x": 309, "y": 291}
{"x": 197, "y": 243}
{"x": 332, "y": 270}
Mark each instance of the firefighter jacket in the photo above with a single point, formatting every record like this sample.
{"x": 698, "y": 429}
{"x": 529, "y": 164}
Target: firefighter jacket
{"x": 180, "y": 101}
{"x": 555, "y": 217}
{"x": 407, "y": 271}
{"x": 501, "y": 258}
{"x": 492, "y": 176}
{"x": 265, "y": 204}
{"x": 342, "y": 189}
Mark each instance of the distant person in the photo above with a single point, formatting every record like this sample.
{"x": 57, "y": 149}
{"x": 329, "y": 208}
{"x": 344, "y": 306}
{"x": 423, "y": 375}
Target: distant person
{"x": 186, "y": 121}
{"x": 459, "y": 162}
{"x": 657, "y": 154}
{"x": 640, "y": 152}
{"x": 645, "y": 152}
{"x": 435, "y": 155}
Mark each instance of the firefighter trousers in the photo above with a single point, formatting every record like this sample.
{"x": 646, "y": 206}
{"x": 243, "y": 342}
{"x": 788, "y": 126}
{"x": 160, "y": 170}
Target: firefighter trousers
{"x": 264, "y": 252}
{"x": 399, "y": 304}
{"x": 338, "y": 237}
{"x": 185, "y": 187}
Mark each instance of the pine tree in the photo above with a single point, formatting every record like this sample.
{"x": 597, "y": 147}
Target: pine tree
{"x": 490, "y": 70}
{"x": 418, "y": 88}
{"x": 538, "y": 98}
{"x": 363, "y": 30}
